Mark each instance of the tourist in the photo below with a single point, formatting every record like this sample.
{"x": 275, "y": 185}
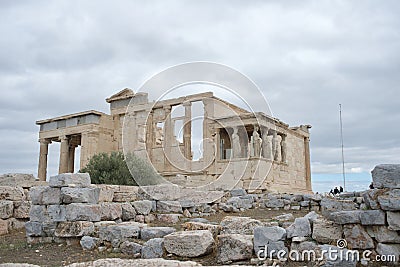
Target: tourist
{"x": 341, "y": 189}
{"x": 336, "y": 191}
{"x": 371, "y": 186}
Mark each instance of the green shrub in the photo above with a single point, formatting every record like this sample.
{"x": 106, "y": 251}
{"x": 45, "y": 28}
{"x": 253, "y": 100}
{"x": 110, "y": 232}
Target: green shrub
{"x": 112, "y": 168}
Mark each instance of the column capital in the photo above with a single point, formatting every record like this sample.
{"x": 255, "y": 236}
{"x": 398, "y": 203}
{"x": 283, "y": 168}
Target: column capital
{"x": 187, "y": 103}
{"x": 44, "y": 141}
{"x": 167, "y": 107}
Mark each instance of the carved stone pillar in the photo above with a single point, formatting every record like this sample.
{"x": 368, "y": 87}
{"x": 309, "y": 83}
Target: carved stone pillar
{"x": 236, "y": 147}
{"x": 71, "y": 158}
{"x": 187, "y": 130}
{"x": 307, "y": 162}
{"x": 275, "y": 142}
{"x": 266, "y": 144}
{"x": 283, "y": 148}
{"x": 168, "y": 135}
{"x": 64, "y": 155}
{"x": 44, "y": 150}
{"x": 256, "y": 142}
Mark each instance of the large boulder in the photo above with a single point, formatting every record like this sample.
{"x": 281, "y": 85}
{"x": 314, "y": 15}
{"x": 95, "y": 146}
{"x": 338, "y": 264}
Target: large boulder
{"x": 234, "y": 247}
{"x": 345, "y": 217}
{"x": 154, "y": 248}
{"x": 329, "y": 205}
{"x": 194, "y": 225}
{"x": 300, "y": 228}
{"x": 239, "y": 225}
{"x": 326, "y": 232}
{"x": 70, "y": 179}
{"x": 386, "y": 176}
{"x": 357, "y": 237}
{"x": 390, "y": 200}
{"x": 189, "y": 243}
{"x": 268, "y": 238}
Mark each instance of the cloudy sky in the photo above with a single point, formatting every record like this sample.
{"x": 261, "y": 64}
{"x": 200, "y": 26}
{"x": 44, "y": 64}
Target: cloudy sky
{"x": 60, "y": 57}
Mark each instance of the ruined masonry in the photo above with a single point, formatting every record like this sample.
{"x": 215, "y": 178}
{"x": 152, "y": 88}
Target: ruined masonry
{"x": 253, "y": 150}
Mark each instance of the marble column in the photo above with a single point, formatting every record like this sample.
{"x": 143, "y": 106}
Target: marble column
{"x": 44, "y": 150}
{"x": 275, "y": 145}
{"x": 168, "y": 135}
{"x": 283, "y": 148}
{"x": 187, "y": 130}
{"x": 64, "y": 155}
{"x": 236, "y": 148}
{"x": 71, "y": 158}
{"x": 307, "y": 163}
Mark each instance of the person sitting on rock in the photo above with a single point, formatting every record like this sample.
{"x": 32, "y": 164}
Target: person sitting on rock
{"x": 341, "y": 189}
{"x": 371, "y": 186}
{"x": 331, "y": 192}
{"x": 336, "y": 191}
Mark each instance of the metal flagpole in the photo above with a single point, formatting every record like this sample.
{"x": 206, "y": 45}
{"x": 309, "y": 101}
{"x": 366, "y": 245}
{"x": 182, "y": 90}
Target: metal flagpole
{"x": 341, "y": 140}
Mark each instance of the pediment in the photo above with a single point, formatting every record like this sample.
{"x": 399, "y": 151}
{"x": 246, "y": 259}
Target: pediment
{"x": 123, "y": 94}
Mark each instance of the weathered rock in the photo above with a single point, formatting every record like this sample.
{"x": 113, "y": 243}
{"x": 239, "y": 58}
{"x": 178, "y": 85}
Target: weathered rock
{"x": 383, "y": 235}
{"x": 239, "y": 225}
{"x": 106, "y": 193}
{"x": 99, "y": 225}
{"x": 142, "y": 207}
{"x": 3, "y": 227}
{"x": 345, "y": 217}
{"x": 272, "y": 237}
{"x": 33, "y": 229}
{"x": 193, "y": 225}
{"x": 168, "y": 218}
{"x": 284, "y": 217}
{"x": 83, "y": 212}
{"x": 56, "y": 213}
{"x": 155, "y": 232}
{"x": 389, "y": 250}
{"x": 313, "y": 197}
{"x": 234, "y": 247}
{"x": 242, "y": 202}
{"x": 11, "y": 193}
{"x": 21, "y": 209}
{"x": 128, "y": 212}
{"x": 38, "y": 213}
{"x": 301, "y": 227}
{"x": 49, "y": 228}
{"x": 126, "y": 194}
{"x": 16, "y": 224}
{"x": 70, "y": 179}
{"x": 6, "y": 209}
{"x": 312, "y": 217}
{"x": 189, "y": 243}
{"x": 88, "y": 242}
{"x": 120, "y": 232}
{"x": 336, "y": 261}
{"x": 160, "y": 192}
{"x": 372, "y": 217}
{"x": 386, "y": 176}
{"x": 390, "y": 200}
{"x": 157, "y": 262}
{"x": 238, "y": 192}
{"x": 357, "y": 237}
{"x": 393, "y": 219}
{"x": 153, "y": 248}
{"x": 130, "y": 248}
{"x": 371, "y": 197}
{"x": 275, "y": 203}
{"x": 74, "y": 229}
{"x": 45, "y": 195}
{"x": 80, "y": 195}
{"x": 325, "y": 231}
{"x": 17, "y": 179}
{"x": 169, "y": 207}
{"x": 329, "y": 205}
{"x": 110, "y": 211}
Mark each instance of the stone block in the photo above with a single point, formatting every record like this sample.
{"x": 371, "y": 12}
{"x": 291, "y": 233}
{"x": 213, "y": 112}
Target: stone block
{"x": 169, "y": 218}
{"x": 345, "y": 217}
{"x": 16, "y": 224}
{"x": 12, "y": 193}
{"x": 372, "y": 217}
{"x": 386, "y": 176}
{"x": 142, "y": 207}
{"x": 193, "y": 225}
{"x": 169, "y": 207}
{"x": 106, "y": 193}
{"x": 390, "y": 200}
{"x": 110, "y": 211}
{"x": 242, "y": 202}
{"x": 38, "y": 213}
{"x": 33, "y": 229}
{"x": 268, "y": 236}
{"x": 153, "y": 249}
{"x": 383, "y": 235}
{"x": 21, "y": 209}
{"x": 159, "y": 192}
{"x": 238, "y": 192}
{"x": 80, "y": 195}
{"x": 128, "y": 211}
{"x": 49, "y": 228}
{"x": 326, "y": 232}
{"x": 45, "y": 195}
{"x": 130, "y": 248}
{"x": 118, "y": 233}
{"x": 300, "y": 228}
{"x": 155, "y": 232}
{"x": 17, "y": 179}
{"x": 234, "y": 247}
{"x": 357, "y": 237}
{"x": 189, "y": 243}
{"x": 3, "y": 227}
{"x": 126, "y": 194}
{"x": 371, "y": 198}
{"x": 6, "y": 209}
{"x": 56, "y": 213}
{"x": 74, "y": 229}
{"x": 83, "y": 212}
{"x": 329, "y": 205}
{"x": 239, "y": 225}
{"x": 393, "y": 219}
{"x": 389, "y": 250}
{"x": 88, "y": 242}
{"x": 330, "y": 261}
{"x": 275, "y": 203}
{"x": 284, "y": 217}
{"x": 70, "y": 179}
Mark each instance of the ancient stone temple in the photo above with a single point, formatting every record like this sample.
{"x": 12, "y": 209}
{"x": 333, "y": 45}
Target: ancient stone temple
{"x": 251, "y": 150}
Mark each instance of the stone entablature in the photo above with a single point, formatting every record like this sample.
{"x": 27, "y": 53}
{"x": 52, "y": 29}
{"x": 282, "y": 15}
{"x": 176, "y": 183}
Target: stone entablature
{"x": 250, "y": 150}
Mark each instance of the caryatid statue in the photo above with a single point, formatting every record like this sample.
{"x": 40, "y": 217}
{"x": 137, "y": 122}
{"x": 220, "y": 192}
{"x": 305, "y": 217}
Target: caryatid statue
{"x": 236, "y": 148}
{"x": 275, "y": 146}
{"x": 256, "y": 142}
{"x": 266, "y": 144}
